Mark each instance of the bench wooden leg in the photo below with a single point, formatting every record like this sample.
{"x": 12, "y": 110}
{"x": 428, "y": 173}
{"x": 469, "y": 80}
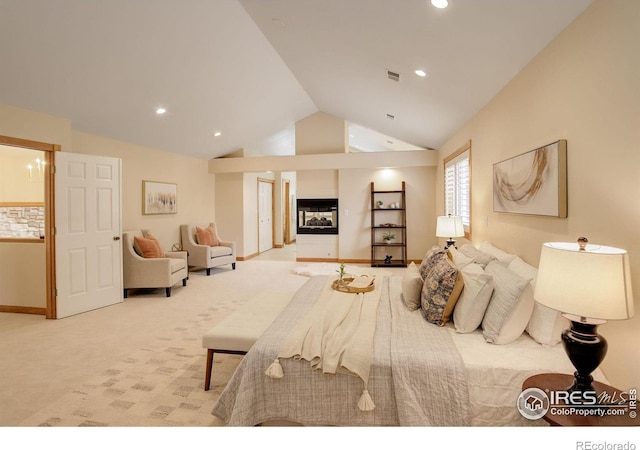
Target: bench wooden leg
{"x": 207, "y": 373}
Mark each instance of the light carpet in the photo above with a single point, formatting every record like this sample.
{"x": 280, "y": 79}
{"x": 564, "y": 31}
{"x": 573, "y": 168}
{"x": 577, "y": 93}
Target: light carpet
{"x": 137, "y": 363}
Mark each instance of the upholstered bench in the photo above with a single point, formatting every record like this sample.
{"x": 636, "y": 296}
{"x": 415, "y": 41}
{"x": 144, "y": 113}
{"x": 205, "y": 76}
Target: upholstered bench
{"x": 237, "y": 333}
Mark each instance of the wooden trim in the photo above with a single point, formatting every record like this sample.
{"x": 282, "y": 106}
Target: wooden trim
{"x": 23, "y": 310}
{"x": 49, "y": 235}
{"x": 22, "y": 240}
{"x": 244, "y": 258}
{"x": 318, "y": 260}
{"x": 355, "y": 261}
{"x": 287, "y": 212}
{"x": 278, "y": 245}
{"x": 31, "y": 145}
{"x": 460, "y": 151}
{"x": 49, "y": 214}
{"x": 13, "y": 204}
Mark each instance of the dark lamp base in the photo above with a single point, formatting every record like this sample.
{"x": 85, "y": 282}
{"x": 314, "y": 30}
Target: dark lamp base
{"x": 450, "y": 243}
{"x": 586, "y": 350}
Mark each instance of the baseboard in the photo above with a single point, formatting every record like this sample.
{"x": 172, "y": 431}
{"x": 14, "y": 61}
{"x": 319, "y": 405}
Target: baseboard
{"x": 244, "y": 258}
{"x": 23, "y": 310}
{"x": 317, "y": 260}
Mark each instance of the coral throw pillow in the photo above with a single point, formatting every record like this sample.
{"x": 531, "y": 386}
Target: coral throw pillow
{"x": 207, "y": 236}
{"x": 147, "y": 247}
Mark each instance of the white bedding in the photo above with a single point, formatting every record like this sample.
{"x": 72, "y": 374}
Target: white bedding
{"x": 495, "y": 374}
{"x": 434, "y": 385}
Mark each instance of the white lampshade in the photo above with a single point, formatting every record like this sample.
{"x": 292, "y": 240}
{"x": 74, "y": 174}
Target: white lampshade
{"x": 449, "y": 226}
{"x": 593, "y": 283}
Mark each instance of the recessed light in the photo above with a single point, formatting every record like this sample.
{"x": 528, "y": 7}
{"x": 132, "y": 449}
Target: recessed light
{"x": 161, "y": 111}
{"x": 217, "y": 134}
{"x": 440, "y": 3}
{"x": 420, "y": 73}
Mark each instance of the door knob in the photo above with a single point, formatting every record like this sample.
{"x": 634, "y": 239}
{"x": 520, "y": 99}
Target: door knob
{"x": 116, "y": 238}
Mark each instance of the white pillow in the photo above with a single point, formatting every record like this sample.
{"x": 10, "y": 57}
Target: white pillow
{"x": 474, "y": 299}
{"x": 522, "y": 269}
{"x": 412, "y": 287}
{"x": 510, "y": 306}
{"x": 478, "y": 257}
{"x": 545, "y": 325}
{"x": 459, "y": 259}
{"x": 502, "y": 256}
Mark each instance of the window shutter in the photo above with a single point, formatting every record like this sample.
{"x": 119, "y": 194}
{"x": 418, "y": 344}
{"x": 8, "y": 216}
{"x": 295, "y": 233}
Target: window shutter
{"x": 457, "y": 180}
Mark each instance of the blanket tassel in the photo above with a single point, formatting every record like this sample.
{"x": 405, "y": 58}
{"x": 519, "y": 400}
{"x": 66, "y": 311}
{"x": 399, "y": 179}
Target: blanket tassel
{"x": 366, "y": 403}
{"x": 275, "y": 370}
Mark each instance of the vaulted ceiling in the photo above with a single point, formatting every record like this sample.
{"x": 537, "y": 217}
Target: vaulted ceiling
{"x": 250, "y": 69}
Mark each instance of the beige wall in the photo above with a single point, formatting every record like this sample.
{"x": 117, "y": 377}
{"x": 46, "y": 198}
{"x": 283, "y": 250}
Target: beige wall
{"x": 321, "y": 133}
{"x": 23, "y": 274}
{"x": 196, "y": 191}
{"x": 196, "y": 187}
{"x": 230, "y": 209}
{"x": 355, "y": 205}
{"x": 15, "y": 183}
{"x": 23, "y": 265}
{"x": 584, "y": 87}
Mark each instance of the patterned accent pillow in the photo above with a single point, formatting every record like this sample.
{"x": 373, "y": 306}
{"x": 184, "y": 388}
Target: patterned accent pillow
{"x": 433, "y": 256}
{"x": 441, "y": 291}
{"x": 207, "y": 236}
{"x": 147, "y": 248}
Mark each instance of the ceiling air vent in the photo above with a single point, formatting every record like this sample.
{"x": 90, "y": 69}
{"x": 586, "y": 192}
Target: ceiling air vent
{"x": 393, "y": 76}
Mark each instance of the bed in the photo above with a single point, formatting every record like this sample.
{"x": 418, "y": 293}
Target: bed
{"x": 421, "y": 374}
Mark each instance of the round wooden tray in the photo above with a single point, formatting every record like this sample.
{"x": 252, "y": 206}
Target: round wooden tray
{"x": 351, "y": 290}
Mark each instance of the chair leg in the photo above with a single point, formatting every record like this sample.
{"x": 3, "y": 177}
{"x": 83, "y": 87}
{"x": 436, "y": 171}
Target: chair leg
{"x": 233, "y": 266}
{"x": 208, "y": 271}
{"x": 126, "y": 293}
{"x": 168, "y": 291}
{"x": 184, "y": 281}
{"x": 207, "y": 374}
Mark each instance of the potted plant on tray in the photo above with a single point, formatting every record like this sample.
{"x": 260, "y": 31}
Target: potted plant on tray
{"x": 388, "y": 236}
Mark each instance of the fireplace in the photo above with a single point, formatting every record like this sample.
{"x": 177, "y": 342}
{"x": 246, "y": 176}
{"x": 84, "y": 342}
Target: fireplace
{"x": 317, "y": 215}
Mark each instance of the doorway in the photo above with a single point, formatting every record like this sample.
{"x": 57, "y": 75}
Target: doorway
{"x": 265, "y": 215}
{"x": 88, "y": 208}
{"x": 40, "y": 168}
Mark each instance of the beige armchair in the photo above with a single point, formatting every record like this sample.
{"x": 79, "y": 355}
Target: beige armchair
{"x": 204, "y": 255}
{"x": 140, "y": 272}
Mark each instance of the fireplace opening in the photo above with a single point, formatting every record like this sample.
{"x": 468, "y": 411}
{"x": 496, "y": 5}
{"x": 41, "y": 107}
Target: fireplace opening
{"x": 317, "y": 215}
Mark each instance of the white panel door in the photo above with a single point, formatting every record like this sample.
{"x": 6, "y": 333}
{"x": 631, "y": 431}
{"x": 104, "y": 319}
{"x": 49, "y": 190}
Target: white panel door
{"x": 87, "y": 221}
{"x": 265, "y": 216}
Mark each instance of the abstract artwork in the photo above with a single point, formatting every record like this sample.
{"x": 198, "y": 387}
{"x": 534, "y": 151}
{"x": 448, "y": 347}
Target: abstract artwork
{"x": 533, "y": 183}
{"x": 159, "y": 198}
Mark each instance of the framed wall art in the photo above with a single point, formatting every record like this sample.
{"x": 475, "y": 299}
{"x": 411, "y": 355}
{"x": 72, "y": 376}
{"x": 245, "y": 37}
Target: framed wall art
{"x": 159, "y": 198}
{"x": 533, "y": 183}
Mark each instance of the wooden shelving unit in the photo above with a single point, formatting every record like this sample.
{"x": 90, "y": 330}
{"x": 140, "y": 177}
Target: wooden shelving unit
{"x": 390, "y": 215}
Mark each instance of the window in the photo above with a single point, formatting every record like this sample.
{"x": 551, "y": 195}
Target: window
{"x": 457, "y": 186}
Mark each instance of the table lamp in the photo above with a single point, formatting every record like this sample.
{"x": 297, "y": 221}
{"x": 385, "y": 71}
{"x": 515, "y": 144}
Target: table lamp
{"x": 449, "y": 227}
{"x": 589, "y": 284}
